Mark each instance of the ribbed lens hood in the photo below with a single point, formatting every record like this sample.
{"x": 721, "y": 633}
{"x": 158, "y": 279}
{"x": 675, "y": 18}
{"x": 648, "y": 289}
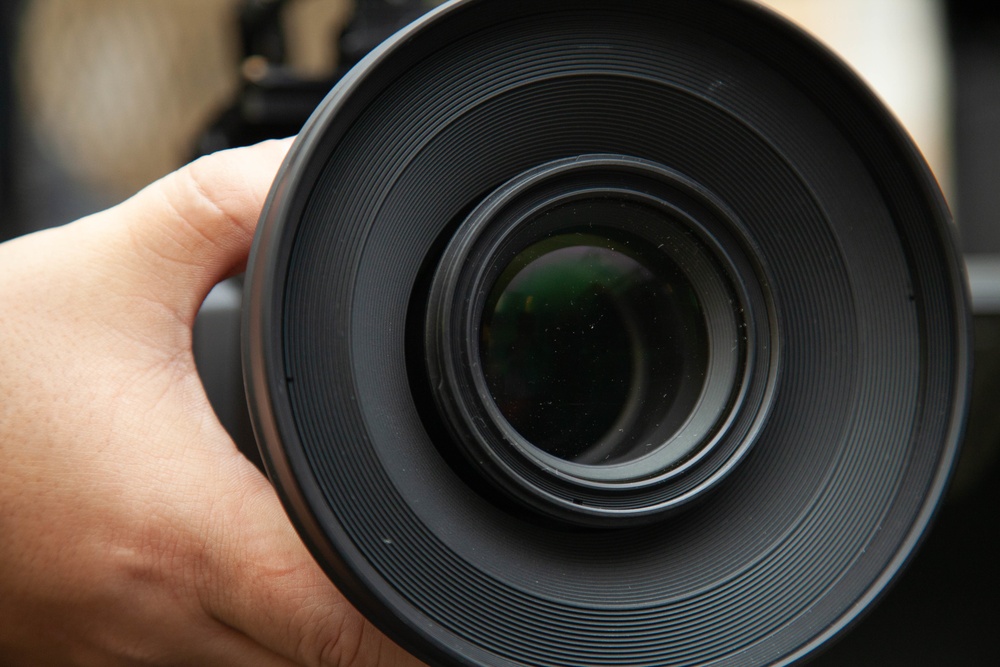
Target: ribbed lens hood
{"x": 818, "y": 469}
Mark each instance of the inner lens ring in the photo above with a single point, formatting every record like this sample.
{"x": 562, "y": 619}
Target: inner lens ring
{"x": 723, "y": 371}
{"x": 482, "y": 249}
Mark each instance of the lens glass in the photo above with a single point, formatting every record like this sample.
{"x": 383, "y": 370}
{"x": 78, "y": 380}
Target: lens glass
{"x": 593, "y": 347}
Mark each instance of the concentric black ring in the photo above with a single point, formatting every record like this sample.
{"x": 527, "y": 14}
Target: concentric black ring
{"x": 680, "y": 224}
{"x": 868, "y": 306}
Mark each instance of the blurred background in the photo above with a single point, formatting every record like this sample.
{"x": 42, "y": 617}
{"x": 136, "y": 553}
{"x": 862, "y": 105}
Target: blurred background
{"x": 100, "y": 97}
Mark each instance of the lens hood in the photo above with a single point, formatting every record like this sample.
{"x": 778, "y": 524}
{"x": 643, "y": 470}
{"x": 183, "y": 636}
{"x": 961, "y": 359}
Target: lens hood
{"x": 588, "y": 333}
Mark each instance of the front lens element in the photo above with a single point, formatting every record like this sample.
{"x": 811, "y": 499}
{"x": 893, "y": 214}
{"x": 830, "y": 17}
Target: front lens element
{"x": 586, "y": 340}
{"x": 594, "y": 348}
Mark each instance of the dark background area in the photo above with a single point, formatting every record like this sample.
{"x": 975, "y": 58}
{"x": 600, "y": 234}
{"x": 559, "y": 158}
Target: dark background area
{"x": 974, "y": 27}
{"x": 943, "y": 610}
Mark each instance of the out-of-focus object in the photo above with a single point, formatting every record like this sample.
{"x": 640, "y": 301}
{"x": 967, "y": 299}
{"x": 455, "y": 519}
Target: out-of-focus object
{"x": 311, "y": 23}
{"x": 8, "y": 11}
{"x": 975, "y": 35}
{"x": 288, "y": 67}
{"x": 111, "y": 88}
{"x": 116, "y": 92}
{"x": 984, "y": 280}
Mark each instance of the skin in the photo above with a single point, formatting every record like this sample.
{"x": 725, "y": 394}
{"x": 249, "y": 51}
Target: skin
{"x": 133, "y": 531}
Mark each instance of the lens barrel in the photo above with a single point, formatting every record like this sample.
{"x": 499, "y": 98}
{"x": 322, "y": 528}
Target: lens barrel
{"x": 581, "y": 333}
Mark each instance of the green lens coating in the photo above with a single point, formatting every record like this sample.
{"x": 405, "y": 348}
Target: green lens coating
{"x": 594, "y": 349}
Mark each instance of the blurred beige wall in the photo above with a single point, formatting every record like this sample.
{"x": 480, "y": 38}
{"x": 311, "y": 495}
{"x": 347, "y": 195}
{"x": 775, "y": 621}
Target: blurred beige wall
{"x": 117, "y": 91}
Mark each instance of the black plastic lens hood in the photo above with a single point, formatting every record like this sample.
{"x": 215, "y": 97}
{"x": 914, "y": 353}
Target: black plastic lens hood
{"x": 830, "y": 230}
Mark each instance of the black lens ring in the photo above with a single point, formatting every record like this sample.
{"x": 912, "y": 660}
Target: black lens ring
{"x": 742, "y": 340}
{"x": 820, "y": 516}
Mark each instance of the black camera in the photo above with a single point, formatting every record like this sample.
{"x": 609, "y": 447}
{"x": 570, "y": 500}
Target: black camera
{"x": 592, "y": 334}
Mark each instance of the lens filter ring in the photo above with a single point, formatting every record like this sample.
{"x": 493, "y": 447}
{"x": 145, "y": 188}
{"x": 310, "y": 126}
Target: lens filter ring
{"x": 630, "y": 346}
{"x": 832, "y": 217}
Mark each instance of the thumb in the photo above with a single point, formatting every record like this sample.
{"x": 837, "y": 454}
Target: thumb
{"x": 186, "y": 232}
{"x": 194, "y": 227}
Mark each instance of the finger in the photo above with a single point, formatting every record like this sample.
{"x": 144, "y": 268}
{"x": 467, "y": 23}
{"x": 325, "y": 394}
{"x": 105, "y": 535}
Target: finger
{"x": 273, "y": 591}
{"x": 192, "y": 228}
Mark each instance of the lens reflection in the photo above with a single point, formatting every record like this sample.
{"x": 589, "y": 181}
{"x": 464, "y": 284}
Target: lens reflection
{"x": 594, "y": 349}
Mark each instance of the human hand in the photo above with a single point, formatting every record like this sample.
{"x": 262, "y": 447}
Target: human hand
{"x": 132, "y": 532}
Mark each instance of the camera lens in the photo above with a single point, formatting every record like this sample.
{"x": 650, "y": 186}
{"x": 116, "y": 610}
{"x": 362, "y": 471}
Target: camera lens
{"x": 589, "y": 341}
{"x": 593, "y": 349}
{"x": 589, "y": 333}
